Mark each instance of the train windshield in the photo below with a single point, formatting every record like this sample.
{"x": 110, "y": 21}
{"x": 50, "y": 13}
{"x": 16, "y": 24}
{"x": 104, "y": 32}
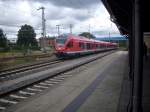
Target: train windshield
{"x": 61, "y": 41}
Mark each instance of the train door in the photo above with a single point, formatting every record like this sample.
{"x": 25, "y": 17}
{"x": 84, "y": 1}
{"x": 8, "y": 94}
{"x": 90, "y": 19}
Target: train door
{"x": 70, "y": 45}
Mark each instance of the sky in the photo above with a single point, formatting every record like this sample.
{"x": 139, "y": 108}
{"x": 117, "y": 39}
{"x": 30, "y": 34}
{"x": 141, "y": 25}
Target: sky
{"x": 84, "y": 15}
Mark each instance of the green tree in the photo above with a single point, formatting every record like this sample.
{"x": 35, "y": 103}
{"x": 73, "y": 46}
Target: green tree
{"x": 3, "y": 39}
{"x": 26, "y": 37}
{"x": 87, "y": 35}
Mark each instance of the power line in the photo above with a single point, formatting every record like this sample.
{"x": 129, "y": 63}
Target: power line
{"x": 8, "y": 25}
{"x": 17, "y": 26}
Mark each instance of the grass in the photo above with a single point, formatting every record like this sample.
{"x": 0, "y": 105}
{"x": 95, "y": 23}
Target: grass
{"x": 19, "y": 61}
{"x": 9, "y": 54}
{"x": 20, "y": 53}
{"x": 15, "y": 62}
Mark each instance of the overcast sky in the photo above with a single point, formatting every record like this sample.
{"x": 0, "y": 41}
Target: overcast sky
{"x": 84, "y": 15}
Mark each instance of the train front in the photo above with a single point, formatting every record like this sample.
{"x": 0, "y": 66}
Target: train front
{"x": 60, "y": 45}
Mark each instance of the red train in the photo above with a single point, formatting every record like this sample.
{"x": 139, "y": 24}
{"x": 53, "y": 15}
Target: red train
{"x": 70, "y": 45}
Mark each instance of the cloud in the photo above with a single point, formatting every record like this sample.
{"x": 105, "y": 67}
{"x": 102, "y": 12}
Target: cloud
{"x": 75, "y": 4}
{"x": 26, "y": 12}
{"x": 79, "y": 13}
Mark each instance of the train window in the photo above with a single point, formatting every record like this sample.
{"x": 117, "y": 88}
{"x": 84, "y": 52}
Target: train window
{"x": 93, "y": 45}
{"x": 70, "y": 44}
{"x": 88, "y": 45}
{"x": 63, "y": 36}
{"x": 101, "y": 46}
{"x": 61, "y": 41}
{"x": 97, "y": 46}
{"x": 81, "y": 45}
{"x": 104, "y": 46}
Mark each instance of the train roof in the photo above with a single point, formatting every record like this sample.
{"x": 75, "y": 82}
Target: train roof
{"x": 91, "y": 40}
{"x": 82, "y": 38}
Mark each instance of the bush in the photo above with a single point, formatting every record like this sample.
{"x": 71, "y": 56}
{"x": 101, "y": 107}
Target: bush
{"x": 6, "y": 49}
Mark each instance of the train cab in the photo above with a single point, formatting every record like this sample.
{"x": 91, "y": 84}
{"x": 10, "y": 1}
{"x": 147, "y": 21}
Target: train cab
{"x": 63, "y": 44}
{"x": 60, "y": 43}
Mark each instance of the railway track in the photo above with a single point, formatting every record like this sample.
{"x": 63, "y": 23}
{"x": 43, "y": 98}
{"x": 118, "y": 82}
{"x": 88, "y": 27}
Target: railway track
{"x": 17, "y": 90}
{"x": 15, "y": 72}
{"x": 15, "y": 97}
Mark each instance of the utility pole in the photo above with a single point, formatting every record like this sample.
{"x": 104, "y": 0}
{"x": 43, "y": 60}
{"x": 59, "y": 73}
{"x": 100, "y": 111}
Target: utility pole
{"x": 58, "y": 28}
{"x": 109, "y": 36}
{"x": 89, "y": 28}
{"x": 110, "y": 31}
{"x": 43, "y": 27}
{"x": 70, "y": 26}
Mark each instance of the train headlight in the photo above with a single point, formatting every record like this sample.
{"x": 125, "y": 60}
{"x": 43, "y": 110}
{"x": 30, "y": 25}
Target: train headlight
{"x": 59, "y": 48}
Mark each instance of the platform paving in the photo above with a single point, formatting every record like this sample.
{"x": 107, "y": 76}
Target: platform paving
{"x": 125, "y": 99}
{"x": 106, "y": 93}
{"x": 96, "y": 89}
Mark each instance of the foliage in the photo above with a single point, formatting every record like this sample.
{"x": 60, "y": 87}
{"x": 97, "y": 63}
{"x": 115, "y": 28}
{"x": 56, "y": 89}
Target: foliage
{"x": 3, "y": 40}
{"x": 26, "y": 37}
{"x": 87, "y": 35}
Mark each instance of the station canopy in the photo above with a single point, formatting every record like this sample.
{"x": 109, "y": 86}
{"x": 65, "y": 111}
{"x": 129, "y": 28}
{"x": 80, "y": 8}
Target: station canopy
{"x": 121, "y": 14}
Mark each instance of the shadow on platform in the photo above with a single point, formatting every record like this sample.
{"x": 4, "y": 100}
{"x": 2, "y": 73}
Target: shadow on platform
{"x": 146, "y": 85}
{"x": 125, "y": 96}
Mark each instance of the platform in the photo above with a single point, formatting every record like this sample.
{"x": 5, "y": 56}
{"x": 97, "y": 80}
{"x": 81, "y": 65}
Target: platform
{"x": 95, "y": 89}
{"x": 125, "y": 97}
{"x": 146, "y": 85}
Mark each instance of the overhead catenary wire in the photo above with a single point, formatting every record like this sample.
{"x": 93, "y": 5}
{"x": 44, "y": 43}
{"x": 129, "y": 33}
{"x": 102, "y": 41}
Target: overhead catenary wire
{"x": 17, "y": 26}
